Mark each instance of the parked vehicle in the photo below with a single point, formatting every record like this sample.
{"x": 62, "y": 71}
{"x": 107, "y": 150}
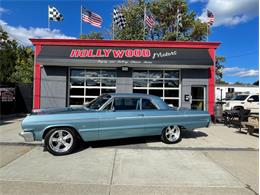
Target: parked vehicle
{"x": 243, "y": 101}
{"x": 110, "y": 116}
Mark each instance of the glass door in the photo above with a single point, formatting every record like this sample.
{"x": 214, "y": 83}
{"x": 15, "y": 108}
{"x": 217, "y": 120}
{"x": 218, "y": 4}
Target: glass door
{"x": 198, "y": 98}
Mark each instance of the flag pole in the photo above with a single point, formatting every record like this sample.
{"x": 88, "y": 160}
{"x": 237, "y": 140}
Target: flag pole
{"x": 113, "y": 27}
{"x": 80, "y": 21}
{"x": 144, "y": 18}
{"x": 207, "y": 32}
{"x": 48, "y": 18}
{"x": 177, "y": 23}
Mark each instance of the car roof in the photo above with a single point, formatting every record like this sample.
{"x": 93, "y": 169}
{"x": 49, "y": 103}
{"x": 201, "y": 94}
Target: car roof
{"x": 159, "y": 102}
{"x": 132, "y": 95}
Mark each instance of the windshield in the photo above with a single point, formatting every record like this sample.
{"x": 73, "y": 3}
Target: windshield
{"x": 240, "y": 97}
{"x": 98, "y": 102}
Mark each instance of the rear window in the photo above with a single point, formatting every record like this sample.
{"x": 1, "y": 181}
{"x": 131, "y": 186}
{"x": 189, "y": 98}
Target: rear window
{"x": 147, "y": 105}
{"x": 240, "y": 97}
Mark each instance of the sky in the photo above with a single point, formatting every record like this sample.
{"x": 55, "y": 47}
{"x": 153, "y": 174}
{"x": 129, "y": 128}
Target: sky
{"x": 236, "y": 27}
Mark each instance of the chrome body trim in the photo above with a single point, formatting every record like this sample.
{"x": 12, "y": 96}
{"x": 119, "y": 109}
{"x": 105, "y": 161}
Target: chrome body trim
{"x": 28, "y": 136}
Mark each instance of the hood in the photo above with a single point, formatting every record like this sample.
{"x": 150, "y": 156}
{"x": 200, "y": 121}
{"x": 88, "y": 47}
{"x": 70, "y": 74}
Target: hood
{"x": 59, "y": 110}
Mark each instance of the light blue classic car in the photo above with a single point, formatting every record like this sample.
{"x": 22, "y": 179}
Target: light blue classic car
{"x": 110, "y": 116}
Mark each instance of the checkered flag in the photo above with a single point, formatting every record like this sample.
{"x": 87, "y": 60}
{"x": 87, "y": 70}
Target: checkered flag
{"x": 179, "y": 16}
{"x": 119, "y": 19}
{"x": 54, "y": 14}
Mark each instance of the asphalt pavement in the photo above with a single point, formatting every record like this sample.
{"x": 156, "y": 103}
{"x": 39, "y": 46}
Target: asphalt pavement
{"x": 215, "y": 160}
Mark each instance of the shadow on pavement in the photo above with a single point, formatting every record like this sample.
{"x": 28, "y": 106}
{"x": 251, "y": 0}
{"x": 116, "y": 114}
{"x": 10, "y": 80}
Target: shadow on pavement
{"x": 255, "y": 133}
{"x": 193, "y": 134}
{"x": 135, "y": 142}
{"x": 9, "y": 119}
{"x": 6, "y": 122}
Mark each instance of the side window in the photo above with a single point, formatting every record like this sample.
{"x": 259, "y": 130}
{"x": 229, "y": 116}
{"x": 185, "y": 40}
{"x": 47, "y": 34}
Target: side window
{"x": 126, "y": 103}
{"x": 147, "y": 104}
{"x": 255, "y": 98}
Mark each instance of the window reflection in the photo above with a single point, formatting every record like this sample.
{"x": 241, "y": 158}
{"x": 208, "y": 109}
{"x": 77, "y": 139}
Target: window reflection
{"x": 140, "y": 83}
{"x": 171, "y": 74}
{"x": 77, "y": 72}
{"x": 155, "y": 74}
{"x": 108, "y": 82}
{"x": 92, "y": 73}
{"x": 92, "y": 82}
{"x": 77, "y": 81}
{"x": 155, "y": 83}
{"x": 140, "y": 74}
{"x": 171, "y": 83}
{"x": 108, "y": 73}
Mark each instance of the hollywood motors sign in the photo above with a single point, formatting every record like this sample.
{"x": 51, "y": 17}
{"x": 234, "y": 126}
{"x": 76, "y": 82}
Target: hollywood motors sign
{"x": 110, "y": 53}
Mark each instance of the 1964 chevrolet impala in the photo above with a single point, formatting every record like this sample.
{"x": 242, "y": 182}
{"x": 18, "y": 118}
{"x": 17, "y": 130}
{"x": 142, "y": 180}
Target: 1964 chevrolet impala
{"x": 110, "y": 116}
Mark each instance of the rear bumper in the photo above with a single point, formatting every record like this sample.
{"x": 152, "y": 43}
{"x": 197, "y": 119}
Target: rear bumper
{"x": 28, "y": 136}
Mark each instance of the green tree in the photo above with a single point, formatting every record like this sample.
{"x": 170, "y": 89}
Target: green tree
{"x": 24, "y": 66}
{"x": 16, "y": 62}
{"x": 92, "y": 35}
{"x": 8, "y": 56}
{"x": 165, "y": 13}
{"x": 219, "y": 68}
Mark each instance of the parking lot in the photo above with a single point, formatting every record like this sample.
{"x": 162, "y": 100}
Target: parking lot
{"x": 215, "y": 160}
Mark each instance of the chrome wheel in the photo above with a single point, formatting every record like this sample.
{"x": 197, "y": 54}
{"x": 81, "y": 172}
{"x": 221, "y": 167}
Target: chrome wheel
{"x": 61, "y": 141}
{"x": 172, "y": 133}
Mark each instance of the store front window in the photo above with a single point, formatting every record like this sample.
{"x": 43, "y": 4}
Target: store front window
{"x": 87, "y": 84}
{"x": 162, "y": 83}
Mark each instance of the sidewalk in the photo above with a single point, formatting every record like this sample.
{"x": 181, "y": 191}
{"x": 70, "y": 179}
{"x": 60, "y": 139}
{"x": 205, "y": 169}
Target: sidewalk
{"x": 216, "y": 136}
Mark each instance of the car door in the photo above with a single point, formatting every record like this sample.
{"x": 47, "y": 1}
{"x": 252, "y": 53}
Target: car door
{"x": 252, "y": 103}
{"x": 124, "y": 119}
{"x": 154, "y": 118}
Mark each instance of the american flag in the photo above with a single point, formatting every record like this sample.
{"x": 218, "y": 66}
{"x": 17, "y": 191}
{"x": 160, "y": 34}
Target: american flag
{"x": 91, "y": 18}
{"x": 149, "y": 20}
{"x": 210, "y": 18}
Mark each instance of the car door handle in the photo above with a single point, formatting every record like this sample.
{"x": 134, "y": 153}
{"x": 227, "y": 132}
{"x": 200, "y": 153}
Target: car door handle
{"x": 140, "y": 114}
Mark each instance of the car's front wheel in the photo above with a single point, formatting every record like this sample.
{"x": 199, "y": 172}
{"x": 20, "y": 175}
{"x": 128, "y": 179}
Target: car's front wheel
{"x": 171, "y": 134}
{"x": 60, "y": 141}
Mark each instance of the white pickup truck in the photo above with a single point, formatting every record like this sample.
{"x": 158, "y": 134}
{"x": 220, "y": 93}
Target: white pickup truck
{"x": 243, "y": 101}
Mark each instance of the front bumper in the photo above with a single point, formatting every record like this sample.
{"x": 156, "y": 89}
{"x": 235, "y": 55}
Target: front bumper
{"x": 28, "y": 136}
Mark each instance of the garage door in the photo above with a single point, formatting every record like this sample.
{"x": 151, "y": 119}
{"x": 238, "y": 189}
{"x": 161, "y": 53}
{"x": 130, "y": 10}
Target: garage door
{"x": 87, "y": 84}
{"x": 162, "y": 83}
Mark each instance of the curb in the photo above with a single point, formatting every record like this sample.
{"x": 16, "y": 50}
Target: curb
{"x": 20, "y": 144}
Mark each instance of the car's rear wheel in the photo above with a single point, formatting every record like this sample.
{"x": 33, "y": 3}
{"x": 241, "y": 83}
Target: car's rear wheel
{"x": 171, "y": 134}
{"x": 60, "y": 141}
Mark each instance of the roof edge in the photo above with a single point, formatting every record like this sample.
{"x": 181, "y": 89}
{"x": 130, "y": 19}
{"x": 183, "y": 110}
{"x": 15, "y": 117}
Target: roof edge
{"x": 125, "y": 43}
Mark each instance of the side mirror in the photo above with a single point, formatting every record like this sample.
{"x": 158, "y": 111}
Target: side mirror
{"x": 250, "y": 100}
